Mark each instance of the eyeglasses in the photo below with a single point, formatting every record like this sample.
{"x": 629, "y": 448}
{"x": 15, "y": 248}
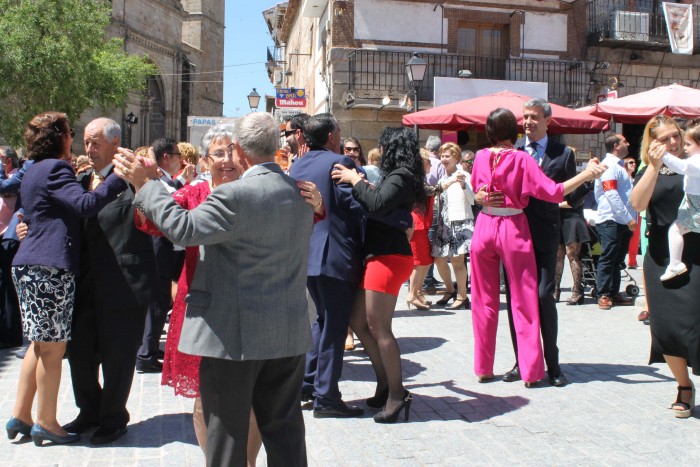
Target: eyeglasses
{"x": 71, "y": 131}
{"x": 221, "y": 154}
{"x": 351, "y": 149}
{"x": 174, "y": 154}
{"x": 288, "y": 133}
{"x": 631, "y": 163}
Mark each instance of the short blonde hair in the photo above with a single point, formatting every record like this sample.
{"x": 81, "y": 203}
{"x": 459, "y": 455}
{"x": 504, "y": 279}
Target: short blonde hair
{"x": 374, "y": 156}
{"x": 189, "y": 152}
{"x": 452, "y": 149}
{"x": 650, "y": 133}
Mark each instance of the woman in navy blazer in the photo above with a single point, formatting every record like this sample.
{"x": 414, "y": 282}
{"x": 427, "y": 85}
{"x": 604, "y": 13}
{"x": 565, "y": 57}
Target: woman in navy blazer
{"x": 45, "y": 268}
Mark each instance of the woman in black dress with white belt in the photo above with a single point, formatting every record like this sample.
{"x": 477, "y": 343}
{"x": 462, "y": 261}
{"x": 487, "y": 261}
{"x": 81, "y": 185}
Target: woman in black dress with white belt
{"x": 673, "y": 304}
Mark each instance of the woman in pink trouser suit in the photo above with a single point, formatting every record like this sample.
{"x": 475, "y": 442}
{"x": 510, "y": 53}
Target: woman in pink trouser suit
{"x": 502, "y": 235}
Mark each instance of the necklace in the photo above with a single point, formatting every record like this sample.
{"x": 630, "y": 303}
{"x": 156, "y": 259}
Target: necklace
{"x": 666, "y": 171}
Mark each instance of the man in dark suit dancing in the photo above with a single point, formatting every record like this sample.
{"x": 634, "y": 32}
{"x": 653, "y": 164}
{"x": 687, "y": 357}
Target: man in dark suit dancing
{"x": 168, "y": 262}
{"x": 559, "y": 163}
{"x": 114, "y": 289}
{"x": 335, "y": 266}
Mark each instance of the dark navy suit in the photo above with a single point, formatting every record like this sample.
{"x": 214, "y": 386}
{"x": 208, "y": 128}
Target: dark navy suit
{"x": 54, "y": 205}
{"x": 167, "y": 264}
{"x": 115, "y": 286}
{"x": 335, "y": 269}
{"x": 10, "y": 317}
{"x": 559, "y": 164}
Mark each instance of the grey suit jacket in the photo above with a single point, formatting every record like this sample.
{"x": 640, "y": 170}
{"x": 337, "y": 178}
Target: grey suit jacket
{"x": 248, "y": 297}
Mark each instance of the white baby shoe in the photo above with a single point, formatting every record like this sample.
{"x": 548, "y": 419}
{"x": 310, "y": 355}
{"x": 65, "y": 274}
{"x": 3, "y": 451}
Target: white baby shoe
{"x": 673, "y": 271}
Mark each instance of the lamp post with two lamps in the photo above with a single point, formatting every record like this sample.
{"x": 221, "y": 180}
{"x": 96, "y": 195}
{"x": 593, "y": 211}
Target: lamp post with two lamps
{"x": 131, "y": 120}
{"x": 415, "y": 70}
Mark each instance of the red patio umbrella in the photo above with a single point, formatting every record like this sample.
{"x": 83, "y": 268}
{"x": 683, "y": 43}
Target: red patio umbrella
{"x": 672, "y": 100}
{"x": 472, "y": 114}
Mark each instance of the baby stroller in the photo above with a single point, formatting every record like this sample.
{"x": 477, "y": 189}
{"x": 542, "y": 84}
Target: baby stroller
{"x": 590, "y": 253}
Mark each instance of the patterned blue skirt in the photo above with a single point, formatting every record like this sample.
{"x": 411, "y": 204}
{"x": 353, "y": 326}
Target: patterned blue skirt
{"x": 46, "y": 296}
{"x": 689, "y": 212}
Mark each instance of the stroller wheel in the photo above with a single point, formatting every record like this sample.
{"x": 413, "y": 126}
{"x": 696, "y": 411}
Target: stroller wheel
{"x": 632, "y": 290}
{"x": 594, "y": 292}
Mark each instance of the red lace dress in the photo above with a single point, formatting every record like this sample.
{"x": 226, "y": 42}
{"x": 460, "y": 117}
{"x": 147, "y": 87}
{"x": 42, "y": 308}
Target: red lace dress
{"x": 181, "y": 371}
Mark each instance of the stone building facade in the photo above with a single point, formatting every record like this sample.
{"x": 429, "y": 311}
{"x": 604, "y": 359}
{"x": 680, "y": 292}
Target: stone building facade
{"x": 184, "y": 39}
{"x": 349, "y": 55}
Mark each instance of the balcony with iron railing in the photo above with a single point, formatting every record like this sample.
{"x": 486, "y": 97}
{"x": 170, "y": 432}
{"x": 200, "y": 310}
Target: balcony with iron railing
{"x": 636, "y": 24}
{"x": 374, "y": 73}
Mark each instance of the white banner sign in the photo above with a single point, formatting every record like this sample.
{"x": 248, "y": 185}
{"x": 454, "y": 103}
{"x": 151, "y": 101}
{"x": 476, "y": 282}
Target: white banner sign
{"x": 679, "y": 22}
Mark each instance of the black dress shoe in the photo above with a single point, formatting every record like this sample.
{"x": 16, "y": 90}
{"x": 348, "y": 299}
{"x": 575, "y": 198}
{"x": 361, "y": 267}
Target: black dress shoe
{"x": 105, "y": 435}
{"x": 512, "y": 375}
{"x": 340, "y": 410}
{"x": 151, "y": 365}
{"x": 80, "y": 425}
{"x": 558, "y": 380}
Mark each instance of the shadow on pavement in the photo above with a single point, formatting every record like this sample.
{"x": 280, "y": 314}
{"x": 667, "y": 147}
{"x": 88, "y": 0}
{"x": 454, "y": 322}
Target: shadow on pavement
{"x": 589, "y": 372}
{"x": 466, "y": 405}
{"x": 155, "y": 432}
{"x": 361, "y": 369}
{"x": 413, "y": 313}
{"x": 5, "y": 357}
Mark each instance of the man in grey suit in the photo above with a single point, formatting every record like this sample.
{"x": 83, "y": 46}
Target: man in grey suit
{"x": 246, "y": 316}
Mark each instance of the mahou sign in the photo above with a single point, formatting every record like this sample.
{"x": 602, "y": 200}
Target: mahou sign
{"x": 290, "y": 98}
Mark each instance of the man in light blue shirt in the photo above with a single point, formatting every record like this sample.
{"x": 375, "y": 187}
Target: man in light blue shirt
{"x": 615, "y": 222}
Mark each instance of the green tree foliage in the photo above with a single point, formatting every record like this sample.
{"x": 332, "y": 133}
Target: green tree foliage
{"x": 54, "y": 55}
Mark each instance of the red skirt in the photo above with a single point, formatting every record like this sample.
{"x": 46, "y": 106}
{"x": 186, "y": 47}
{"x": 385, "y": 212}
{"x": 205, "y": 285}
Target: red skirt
{"x": 387, "y": 273}
{"x": 420, "y": 245}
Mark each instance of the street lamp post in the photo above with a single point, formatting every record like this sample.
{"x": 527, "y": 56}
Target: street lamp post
{"x": 415, "y": 70}
{"x": 131, "y": 119}
{"x": 253, "y": 100}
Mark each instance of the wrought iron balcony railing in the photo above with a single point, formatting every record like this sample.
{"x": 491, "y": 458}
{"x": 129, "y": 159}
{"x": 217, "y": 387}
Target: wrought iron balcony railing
{"x": 375, "y": 73}
{"x": 638, "y": 23}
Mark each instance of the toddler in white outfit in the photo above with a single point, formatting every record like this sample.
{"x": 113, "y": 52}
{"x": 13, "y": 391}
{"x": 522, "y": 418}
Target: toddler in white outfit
{"x": 688, "y": 219}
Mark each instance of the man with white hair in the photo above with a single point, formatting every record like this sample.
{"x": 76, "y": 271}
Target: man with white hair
{"x": 117, "y": 272}
{"x": 246, "y": 316}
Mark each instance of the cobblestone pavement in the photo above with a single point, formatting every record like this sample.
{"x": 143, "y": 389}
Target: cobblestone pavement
{"x": 615, "y": 411}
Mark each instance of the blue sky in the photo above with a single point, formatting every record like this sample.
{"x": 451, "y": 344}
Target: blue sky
{"x": 245, "y": 52}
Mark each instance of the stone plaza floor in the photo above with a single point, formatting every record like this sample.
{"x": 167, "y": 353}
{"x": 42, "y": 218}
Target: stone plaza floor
{"x": 615, "y": 411}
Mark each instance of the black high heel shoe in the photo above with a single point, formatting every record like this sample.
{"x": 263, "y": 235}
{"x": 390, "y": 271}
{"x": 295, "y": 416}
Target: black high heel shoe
{"x": 446, "y": 298}
{"x": 378, "y": 401}
{"x": 683, "y": 409}
{"x": 384, "y": 417}
{"x": 459, "y": 303}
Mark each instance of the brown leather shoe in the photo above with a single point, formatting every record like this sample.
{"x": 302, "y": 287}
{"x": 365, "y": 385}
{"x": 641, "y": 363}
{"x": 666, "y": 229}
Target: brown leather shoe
{"x": 644, "y": 315}
{"x": 604, "y": 302}
{"x": 619, "y": 299}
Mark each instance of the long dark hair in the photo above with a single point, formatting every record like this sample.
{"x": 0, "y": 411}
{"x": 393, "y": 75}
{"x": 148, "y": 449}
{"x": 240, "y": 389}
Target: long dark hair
{"x": 400, "y": 148}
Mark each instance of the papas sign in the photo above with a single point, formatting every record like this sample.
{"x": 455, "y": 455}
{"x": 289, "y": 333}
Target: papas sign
{"x": 290, "y": 98}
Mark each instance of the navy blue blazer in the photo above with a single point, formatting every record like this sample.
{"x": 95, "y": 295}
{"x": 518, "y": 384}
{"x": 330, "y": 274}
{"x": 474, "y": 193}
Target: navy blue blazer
{"x": 336, "y": 241}
{"x": 559, "y": 164}
{"x": 54, "y": 203}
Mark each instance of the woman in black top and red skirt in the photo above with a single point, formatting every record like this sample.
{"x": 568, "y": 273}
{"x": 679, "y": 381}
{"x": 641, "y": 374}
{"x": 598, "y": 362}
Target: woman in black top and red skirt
{"x": 388, "y": 262}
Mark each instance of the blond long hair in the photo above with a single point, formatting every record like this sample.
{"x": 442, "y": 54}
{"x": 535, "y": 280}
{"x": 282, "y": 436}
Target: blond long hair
{"x": 650, "y": 133}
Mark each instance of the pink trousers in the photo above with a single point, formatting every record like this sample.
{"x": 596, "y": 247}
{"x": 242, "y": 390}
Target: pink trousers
{"x": 506, "y": 239}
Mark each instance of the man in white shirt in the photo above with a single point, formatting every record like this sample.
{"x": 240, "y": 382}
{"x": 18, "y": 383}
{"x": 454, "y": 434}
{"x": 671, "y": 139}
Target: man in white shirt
{"x": 615, "y": 222}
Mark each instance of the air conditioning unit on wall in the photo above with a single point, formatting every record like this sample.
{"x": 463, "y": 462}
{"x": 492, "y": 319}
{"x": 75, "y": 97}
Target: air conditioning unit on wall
{"x": 630, "y": 26}
{"x": 277, "y": 76}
